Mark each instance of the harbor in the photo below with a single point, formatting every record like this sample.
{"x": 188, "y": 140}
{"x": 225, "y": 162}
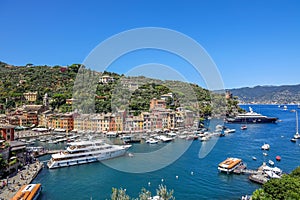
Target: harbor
{"x": 187, "y": 170}
{"x": 12, "y": 184}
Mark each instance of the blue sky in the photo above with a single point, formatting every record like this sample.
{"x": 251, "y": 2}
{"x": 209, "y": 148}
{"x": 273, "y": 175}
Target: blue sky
{"x": 251, "y": 42}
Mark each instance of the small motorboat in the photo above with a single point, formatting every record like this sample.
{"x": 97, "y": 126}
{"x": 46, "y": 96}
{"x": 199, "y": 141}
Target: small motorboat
{"x": 271, "y": 162}
{"x": 278, "y": 158}
{"x": 293, "y": 140}
{"x": 265, "y": 147}
{"x": 253, "y": 158}
{"x": 229, "y": 131}
{"x": 244, "y": 127}
{"x": 265, "y": 154}
{"x": 151, "y": 141}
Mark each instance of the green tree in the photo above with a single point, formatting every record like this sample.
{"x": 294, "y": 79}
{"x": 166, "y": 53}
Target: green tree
{"x": 288, "y": 187}
{"x": 58, "y": 100}
{"x": 296, "y": 172}
{"x": 3, "y": 165}
{"x": 75, "y": 67}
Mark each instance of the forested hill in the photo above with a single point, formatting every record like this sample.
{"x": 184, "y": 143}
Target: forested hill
{"x": 284, "y": 94}
{"x": 58, "y": 82}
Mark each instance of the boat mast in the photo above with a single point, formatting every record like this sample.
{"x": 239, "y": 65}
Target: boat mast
{"x": 296, "y": 122}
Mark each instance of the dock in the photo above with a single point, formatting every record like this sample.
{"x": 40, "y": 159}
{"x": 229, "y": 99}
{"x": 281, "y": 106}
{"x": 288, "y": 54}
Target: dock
{"x": 257, "y": 176}
{"x": 245, "y": 171}
{"x": 23, "y": 177}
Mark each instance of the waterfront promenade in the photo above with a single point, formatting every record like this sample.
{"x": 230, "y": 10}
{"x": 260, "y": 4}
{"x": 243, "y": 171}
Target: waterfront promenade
{"x": 23, "y": 177}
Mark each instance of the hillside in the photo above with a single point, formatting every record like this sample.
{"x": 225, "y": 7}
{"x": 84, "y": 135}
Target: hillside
{"x": 131, "y": 93}
{"x": 285, "y": 94}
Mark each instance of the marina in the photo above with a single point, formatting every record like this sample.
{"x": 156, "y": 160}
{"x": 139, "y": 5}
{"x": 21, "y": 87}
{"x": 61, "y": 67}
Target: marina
{"x": 199, "y": 174}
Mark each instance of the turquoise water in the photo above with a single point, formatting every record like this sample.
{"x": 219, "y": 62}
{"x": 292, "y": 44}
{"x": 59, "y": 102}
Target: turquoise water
{"x": 197, "y": 178}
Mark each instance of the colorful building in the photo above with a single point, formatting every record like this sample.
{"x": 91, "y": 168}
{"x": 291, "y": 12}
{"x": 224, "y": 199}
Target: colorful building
{"x": 7, "y": 132}
{"x": 30, "y": 96}
{"x": 157, "y": 103}
{"x": 61, "y": 121}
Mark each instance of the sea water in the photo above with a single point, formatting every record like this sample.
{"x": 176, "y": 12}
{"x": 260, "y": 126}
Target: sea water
{"x": 189, "y": 176}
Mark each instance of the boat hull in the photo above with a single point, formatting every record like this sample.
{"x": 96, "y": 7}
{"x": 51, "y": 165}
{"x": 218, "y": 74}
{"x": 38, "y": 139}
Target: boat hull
{"x": 85, "y": 160}
{"x": 252, "y": 120}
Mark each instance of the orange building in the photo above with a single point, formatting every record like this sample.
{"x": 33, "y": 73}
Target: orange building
{"x": 112, "y": 123}
{"x": 29, "y": 119}
{"x": 61, "y": 121}
{"x": 157, "y": 103}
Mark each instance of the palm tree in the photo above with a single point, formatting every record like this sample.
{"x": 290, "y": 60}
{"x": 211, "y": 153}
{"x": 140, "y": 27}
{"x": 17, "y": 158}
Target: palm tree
{"x": 145, "y": 194}
{"x": 119, "y": 194}
{"x": 164, "y": 194}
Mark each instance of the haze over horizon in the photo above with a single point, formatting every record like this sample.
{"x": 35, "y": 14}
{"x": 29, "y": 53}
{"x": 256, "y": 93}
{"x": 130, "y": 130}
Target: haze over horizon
{"x": 252, "y": 42}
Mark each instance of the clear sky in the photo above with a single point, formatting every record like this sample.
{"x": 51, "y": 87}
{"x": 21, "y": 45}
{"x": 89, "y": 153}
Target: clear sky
{"x": 255, "y": 42}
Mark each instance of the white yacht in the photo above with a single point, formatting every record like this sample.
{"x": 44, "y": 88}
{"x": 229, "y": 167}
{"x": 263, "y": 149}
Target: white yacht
{"x": 229, "y": 131}
{"x": 265, "y": 147}
{"x": 85, "y": 152}
{"x": 164, "y": 138}
{"x": 152, "y": 141}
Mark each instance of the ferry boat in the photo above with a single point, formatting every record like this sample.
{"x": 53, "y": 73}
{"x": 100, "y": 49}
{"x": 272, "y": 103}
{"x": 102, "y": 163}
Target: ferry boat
{"x": 86, "y": 152}
{"x": 230, "y": 164}
{"x": 28, "y": 192}
{"x": 251, "y": 117}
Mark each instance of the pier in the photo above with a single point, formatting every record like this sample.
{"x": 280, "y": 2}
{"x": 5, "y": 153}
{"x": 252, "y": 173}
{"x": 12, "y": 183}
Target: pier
{"x": 257, "y": 176}
{"x": 22, "y": 177}
{"x": 245, "y": 171}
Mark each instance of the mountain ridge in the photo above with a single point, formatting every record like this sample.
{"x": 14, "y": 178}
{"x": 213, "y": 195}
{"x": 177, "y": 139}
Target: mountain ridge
{"x": 268, "y": 94}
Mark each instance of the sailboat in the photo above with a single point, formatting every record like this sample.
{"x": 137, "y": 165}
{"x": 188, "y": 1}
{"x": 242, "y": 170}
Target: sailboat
{"x": 297, "y": 135}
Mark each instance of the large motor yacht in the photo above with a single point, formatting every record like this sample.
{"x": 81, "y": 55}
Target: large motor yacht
{"x": 85, "y": 152}
{"x": 251, "y": 117}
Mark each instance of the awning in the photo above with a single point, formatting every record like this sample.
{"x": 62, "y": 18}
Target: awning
{"x": 18, "y": 148}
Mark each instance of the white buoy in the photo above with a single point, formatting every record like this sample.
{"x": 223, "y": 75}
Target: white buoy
{"x": 162, "y": 180}
{"x": 149, "y": 183}
{"x": 176, "y": 177}
{"x": 192, "y": 173}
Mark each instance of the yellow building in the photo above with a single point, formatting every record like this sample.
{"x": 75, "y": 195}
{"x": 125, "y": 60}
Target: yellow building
{"x": 30, "y": 96}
